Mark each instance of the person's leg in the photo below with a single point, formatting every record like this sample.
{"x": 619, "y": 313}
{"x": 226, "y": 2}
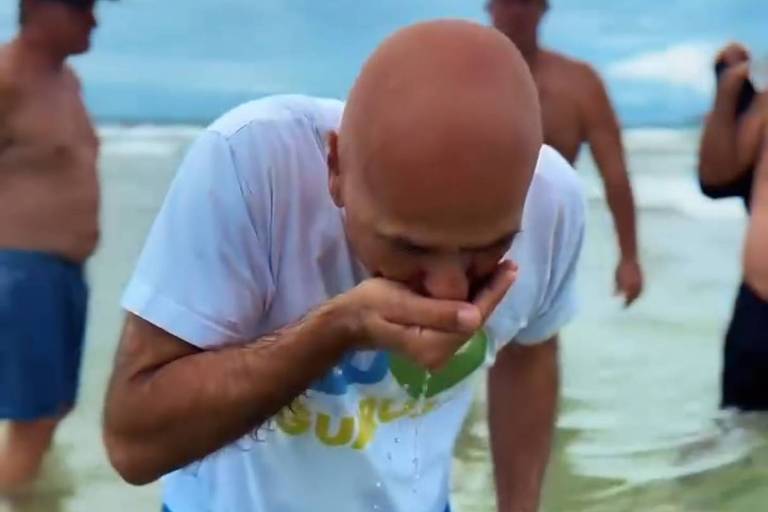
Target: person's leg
{"x": 22, "y": 452}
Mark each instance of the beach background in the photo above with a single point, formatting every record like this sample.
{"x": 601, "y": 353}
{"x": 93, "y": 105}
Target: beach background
{"x": 640, "y": 428}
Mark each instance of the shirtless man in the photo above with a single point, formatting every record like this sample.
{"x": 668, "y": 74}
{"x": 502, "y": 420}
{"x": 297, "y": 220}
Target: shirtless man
{"x": 733, "y": 163}
{"x": 49, "y": 206}
{"x": 576, "y": 109}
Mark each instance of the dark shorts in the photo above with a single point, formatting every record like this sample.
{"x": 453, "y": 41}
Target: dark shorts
{"x": 745, "y": 366}
{"x": 43, "y": 305}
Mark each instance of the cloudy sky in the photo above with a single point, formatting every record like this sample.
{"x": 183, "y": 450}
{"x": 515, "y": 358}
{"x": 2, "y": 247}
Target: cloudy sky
{"x": 188, "y": 60}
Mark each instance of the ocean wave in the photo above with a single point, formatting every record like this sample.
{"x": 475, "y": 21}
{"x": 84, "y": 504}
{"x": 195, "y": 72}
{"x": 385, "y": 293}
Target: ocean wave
{"x": 662, "y": 162}
{"x": 678, "y": 195}
{"x": 143, "y": 141}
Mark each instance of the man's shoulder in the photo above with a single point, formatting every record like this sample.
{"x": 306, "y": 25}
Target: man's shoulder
{"x": 280, "y": 111}
{"x": 567, "y": 64}
{"x": 70, "y": 75}
{"x": 576, "y": 71}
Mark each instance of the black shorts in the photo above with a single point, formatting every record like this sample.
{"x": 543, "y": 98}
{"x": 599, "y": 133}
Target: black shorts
{"x": 745, "y": 365}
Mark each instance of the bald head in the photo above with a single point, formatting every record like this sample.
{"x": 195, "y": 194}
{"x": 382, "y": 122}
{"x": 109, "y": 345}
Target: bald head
{"x": 443, "y": 113}
{"x": 440, "y": 136}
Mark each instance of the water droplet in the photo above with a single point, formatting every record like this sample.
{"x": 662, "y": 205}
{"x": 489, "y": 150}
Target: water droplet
{"x": 389, "y": 456}
{"x": 338, "y": 372}
{"x": 376, "y": 507}
{"x": 397, "y": 440}
{"x": 378, "y": 484}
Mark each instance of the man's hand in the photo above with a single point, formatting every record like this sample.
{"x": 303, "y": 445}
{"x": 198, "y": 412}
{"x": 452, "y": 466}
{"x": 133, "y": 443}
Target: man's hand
{"x": 629, "y": 280}
{"x": 736, "y": 59}
{"x": 732, "y": 53}
{"x": 381, "y": 314}
{"x": 729, "y": 86}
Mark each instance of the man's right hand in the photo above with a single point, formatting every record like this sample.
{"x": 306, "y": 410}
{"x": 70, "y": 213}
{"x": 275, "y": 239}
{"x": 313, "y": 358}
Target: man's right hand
{"x": 732, "y": 53}
{"x": 736, "y": 59}
{"x": 384, "y": 315}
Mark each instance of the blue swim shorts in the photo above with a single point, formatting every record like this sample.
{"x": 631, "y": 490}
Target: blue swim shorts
{"x": 43, "y": 306}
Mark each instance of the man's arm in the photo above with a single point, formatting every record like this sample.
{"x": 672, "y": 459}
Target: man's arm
{"x": 604, "y": 136}
{"x": 730, "y": 141}
{"x": 756, "y": 247}
{"x": 170, "y": 403}
{"x": 522, "y": 396}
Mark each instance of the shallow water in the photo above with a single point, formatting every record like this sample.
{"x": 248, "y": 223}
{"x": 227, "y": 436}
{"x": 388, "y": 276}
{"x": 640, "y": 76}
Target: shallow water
{"x": 639, "y": 429}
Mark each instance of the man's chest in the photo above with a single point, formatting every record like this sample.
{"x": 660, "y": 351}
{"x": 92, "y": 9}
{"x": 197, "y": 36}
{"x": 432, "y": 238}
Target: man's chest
{"x": 51, "y": 129}
{"x": 561, "y": 119}
{"x": 369, "y": 393}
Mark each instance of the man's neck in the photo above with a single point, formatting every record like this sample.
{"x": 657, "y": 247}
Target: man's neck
{"x": 37, "y": 55}
{"x": 529, "y": 50}
{"x": 530, "y": 53}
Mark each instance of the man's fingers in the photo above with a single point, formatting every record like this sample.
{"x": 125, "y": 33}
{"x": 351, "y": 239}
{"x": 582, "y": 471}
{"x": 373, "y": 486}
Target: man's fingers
{"x": 734, "y": 77}
{"x": 490, "y": 296}
{"x": 733, "y": 53}
{"x": 631, "y": 292}
{"x": 407, "y": 308}
{"x": 429, "y": 348}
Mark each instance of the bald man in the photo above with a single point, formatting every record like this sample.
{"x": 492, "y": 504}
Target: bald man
{"x": 323, "y": 281}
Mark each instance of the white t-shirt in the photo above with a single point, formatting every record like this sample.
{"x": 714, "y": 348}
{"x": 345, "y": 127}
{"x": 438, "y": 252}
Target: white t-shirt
{"x": 248, "y": 240}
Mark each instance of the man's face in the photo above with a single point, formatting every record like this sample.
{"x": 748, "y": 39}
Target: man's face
{"x": 445, "y": 252}
{"x": 69, "y": 27}
{"x": 518, "y": 19}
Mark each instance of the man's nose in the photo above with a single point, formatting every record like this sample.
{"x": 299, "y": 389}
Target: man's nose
{"x": 447, "y": 279}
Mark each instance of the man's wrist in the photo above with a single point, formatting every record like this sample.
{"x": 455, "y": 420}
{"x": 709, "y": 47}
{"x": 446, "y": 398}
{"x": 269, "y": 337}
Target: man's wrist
{"x": 336, "y": 323}
{"x": 629, "y": 258}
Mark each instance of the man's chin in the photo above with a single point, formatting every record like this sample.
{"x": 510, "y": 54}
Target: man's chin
{"x": 83, "y": 48}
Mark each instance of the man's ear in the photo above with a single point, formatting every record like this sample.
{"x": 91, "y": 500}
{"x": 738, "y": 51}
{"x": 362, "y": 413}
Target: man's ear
{"x": 335, "y": 177}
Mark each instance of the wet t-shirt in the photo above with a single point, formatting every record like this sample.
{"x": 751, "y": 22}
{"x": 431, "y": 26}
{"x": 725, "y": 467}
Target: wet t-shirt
{"x": 248, "y": 240}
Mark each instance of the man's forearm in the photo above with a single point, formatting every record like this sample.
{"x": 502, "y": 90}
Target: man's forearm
{"x": 622, "y": 205}
{"x": 165, "y": 418}
{"x": 718, "y": 156}
{"x": 523, "y": 397}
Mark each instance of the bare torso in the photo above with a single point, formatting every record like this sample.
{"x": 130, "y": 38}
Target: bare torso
{"x": 752, "y": 132}
{"x": 49, "y": 190}
{"x": 561, "y": 91}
